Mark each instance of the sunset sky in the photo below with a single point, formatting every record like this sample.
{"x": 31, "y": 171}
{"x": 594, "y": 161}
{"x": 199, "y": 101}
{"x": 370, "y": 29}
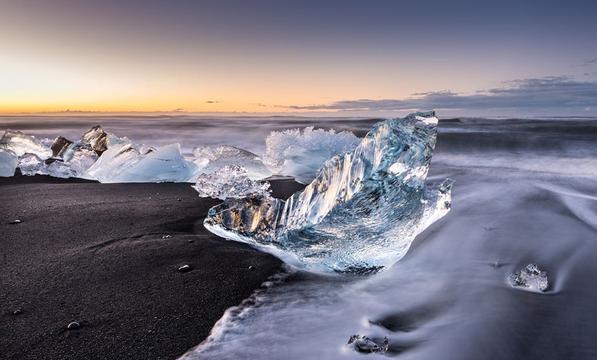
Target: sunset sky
{"x": 361, "y": 57}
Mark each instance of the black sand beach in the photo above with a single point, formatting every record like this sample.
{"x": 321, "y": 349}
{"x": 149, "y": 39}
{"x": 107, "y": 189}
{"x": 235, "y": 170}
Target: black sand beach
{"x": 107, "y": 257}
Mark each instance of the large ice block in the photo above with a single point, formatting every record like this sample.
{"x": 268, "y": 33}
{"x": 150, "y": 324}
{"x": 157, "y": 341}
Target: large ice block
{"x": 131, "y": 163}
{"x": 361, "y": 212}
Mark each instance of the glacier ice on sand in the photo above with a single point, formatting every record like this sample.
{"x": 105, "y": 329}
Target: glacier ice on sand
{"x": 231, "y": 181}
{"x": 529, "y": 278}
{"x": 360, "y": 213}
{"x": 211, "y": 159}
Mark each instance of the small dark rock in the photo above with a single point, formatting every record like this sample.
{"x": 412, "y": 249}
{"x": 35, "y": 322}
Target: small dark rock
{"x": 15, "y": 221}
{"x": 17, "y": 312}
{"x": 73, "y": 325}
{"x": 166, "y": 236}
{"x": 179, "y": 199}
{"x": 190, "y": 241}
{"x": 251, "y": 267}
{"x": 185, "y": 268}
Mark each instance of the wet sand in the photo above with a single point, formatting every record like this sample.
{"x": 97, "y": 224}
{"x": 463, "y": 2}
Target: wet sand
{"x": 107, "y": 256}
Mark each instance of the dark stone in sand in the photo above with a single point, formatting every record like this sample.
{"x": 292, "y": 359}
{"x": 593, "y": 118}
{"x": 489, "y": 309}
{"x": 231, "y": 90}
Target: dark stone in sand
{"x": 17, "y": 312}
{"x": 94, "y": 251}
{"x": 48, "y": 161}
{"x": 15, "y": 221}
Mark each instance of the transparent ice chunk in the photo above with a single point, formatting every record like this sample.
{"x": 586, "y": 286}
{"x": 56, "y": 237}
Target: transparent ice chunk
{"x": 361, "y": 212}
{"x": 131, "y": 163}
{"x": 30, "y": 164}
{"x": 231, "y": 181}
{"x": 8, "y": 163}
{"x": 58, "y": 168}
{"x": 529, "y": 278}
{"x": 80, "y": 158}
{"x": 301, "y": 153}
{"x": 97, "y": 138}
{"x": 59, "y": 146}
{"x": 210, "y": 159}
{"x": 21, "y": 144}
{"x": 365, "y": 344}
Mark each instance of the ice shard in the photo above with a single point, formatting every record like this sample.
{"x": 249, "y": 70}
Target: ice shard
{"x": 97, "y": 138}
{"x": 231, "y": 181}
{"x": 8, "y": 162}
{"x": 211, "y": 159}
{"x": 360, "y": 213}
{"x": 131, "y": 163}
{"x": 30, "y": 164}
{"x": 529, "y": 278}
{"x": 59, "y": 146}
{"x": 21, "y": 144}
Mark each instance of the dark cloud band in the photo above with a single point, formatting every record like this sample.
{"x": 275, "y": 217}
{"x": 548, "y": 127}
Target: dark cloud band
{"x": 537, "y": 93}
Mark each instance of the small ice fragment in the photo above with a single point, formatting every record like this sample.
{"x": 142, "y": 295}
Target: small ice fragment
{"x": 529, "y": 278}
{"x": 73, "y": 325}
{"x": 185, "y": 268}
{"x": 231, "y": 181}
{"x": 366, "y": 345}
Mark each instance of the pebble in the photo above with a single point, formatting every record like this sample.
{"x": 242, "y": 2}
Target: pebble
{"x": 17, "y": 312}
{"x": 73, "y": 325}
{"x": 16, "y": 221}
{"x": 185, "y": 268}
{"x": 251, "y": 267}
{"x": 166, "y": 236}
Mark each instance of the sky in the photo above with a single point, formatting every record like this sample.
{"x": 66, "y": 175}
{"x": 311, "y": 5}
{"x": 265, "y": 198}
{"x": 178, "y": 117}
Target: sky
{"x": 314, "y": 57}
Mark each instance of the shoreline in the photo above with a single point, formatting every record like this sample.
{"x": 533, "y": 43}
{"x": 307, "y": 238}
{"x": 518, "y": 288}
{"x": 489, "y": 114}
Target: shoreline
{"x": 107, "y": 256}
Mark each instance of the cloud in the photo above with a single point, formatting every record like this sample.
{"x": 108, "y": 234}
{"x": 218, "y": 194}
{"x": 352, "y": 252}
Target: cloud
{"x": 535, "y": 93}
{"x": 212, "y": 102}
